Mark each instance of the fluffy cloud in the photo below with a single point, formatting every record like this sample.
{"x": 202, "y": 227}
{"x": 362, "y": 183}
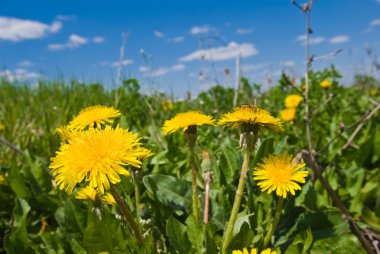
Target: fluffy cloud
{"x": 375, "y": 22}
{"x": 25, "y": 63}
{"x": 19, "y": 75}
{"x": 163, "y": 70}
{"x": 177, "y": 39}
{"x": 339, "y": 39}
{"x": 243, "y": 31}
{"x": 158, "y": 34}
{"x": 200, "y": 30}
{"x": 74, "y": 41}
{"x": 253, "y": 67}
{"x": 123, "y": 63}
{"x": 14, "y": 29}
{"x": 313, "y": 40}
{"x": 98, "y": 39}
{"x": 230, "y": 51}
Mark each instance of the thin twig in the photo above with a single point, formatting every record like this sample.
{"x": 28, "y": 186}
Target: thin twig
{"x": 358, "y": 128}
{"x": 10, "y": 145}
{"x": 289, "y": 82}
{"x": 331, "y": 96}
{"x": 329, "y": 55}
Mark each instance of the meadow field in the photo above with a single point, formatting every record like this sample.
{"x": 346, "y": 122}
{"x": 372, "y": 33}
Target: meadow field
{"x": 335, "y": 210}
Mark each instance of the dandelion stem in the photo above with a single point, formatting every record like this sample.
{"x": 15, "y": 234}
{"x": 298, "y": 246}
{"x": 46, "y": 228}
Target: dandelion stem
{"x": 194, "y": 184}
{"x": 274, "y": 223}
{"x": 127, "y": 215}
{"x": 137, "y": 177}
{"x": 239, "y": 194}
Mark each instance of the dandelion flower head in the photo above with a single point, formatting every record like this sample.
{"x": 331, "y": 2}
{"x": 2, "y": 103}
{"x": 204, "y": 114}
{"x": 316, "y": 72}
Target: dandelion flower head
{"x": 166, "y": 105}
{"x": 2, "y": 127}
{"x": 87, "y": 193}
{"x": 144, "y": 153}
{"x": 251, "y": 115}
{"x": 108, "y": 199}
{"x": 293, "y": 100}
{"x": 280, "y": 173}
{"x": 326, "y": 83}
{"x": 2, "y": 179}
{"x": 96, "y": 155}
{"x": 185, "y": 120}
{"x": 288, "y": 114}
{"x": 253, "y": 251}
{"x": 94, "y": 116}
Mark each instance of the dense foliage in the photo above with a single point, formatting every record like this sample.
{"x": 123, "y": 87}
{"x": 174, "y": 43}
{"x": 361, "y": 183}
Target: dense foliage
{"x": 36, "y": 217}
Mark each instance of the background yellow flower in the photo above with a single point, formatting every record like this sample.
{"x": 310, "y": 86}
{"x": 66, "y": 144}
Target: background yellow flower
{"x": 253, "y": 251}
{"x": 293, "y": 100}
{"x": 288, "y": 114}
{"x": 185, "y": 120}
{"x": 280, "y": 173}
{"x": 326, "y": 83}
{"x": 98, "y": 156}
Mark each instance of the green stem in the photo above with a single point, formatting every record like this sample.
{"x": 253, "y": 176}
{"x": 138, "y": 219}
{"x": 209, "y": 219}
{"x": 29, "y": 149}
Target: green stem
{"x": 194, "y": 185}
{"x": 127, "y": 215}
{"x": 273, "y": 226}
{"x": 239, "y": 194}
{"x": 137, "y": 178}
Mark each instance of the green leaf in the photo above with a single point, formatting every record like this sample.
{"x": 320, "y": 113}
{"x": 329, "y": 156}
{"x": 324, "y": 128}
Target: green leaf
{"x": 169, "y": 190}
{"x": 176, "y": 232}
{"x": 195, "y": 234}
{"x": 17, "y": 240}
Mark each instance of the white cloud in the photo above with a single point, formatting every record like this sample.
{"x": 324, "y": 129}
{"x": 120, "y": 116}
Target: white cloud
{"x": 144, "y": 69}
{"x": 339, "y": 39}
{"x": 288, "y": 64}
{"x": 313, "y": 40}
{"x": 98, "y": 39}
{"x": 123, "y": 63}
{"x": 19, "y": 75}
{"x": 14, "y": 29}
{"x": 200, "y": 30}
{"x": 230, "y": 51}
{"x": 74, "y": 41}
{"x": 66, "y": 17}
{"x": 158, "y": 34}
{"x": 253, "y": 67}
{"x": 165, "y": 70}
{"x": 375, "y": 22}
{"x": 242, "y": 31}
{"x": 177, "y": 39}
{"x": 25, "y": 63}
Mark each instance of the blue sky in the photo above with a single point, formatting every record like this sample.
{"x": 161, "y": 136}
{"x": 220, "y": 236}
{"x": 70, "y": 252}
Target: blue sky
{"x": 165, "y": 40}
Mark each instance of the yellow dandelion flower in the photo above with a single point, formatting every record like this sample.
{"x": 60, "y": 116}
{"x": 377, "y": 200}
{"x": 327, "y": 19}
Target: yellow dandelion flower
{"x": 253, "y": 116}
{"x": 108, "y": 199}
{"x": 372, "y": 92}
{"x": 2, "y": 127}
{"x": 288, "y": 114}
{"x": 185, "y": 120}
{"x": 96, "y": 155}
{"x": 293, "y": 100}
{"x": 94, "y": 116}
{"x": 87, "y": 193}
{"x": 144, "y": 153}
{"x": 65, "y": 133}
{"x": 253, "y": 251}
{"x": 326, "y": 83}
{"x": 166, "y": 105}
{"x": 2, "y": 179}
{"x": 280, "y": 173}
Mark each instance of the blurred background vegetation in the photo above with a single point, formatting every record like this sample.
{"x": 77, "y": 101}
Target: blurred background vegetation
{"x": 36, "y": 217}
